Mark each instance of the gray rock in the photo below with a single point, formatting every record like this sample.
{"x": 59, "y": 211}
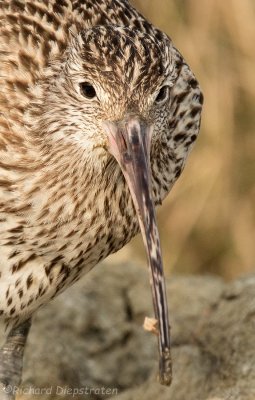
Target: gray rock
{"x": 90, "y": 339}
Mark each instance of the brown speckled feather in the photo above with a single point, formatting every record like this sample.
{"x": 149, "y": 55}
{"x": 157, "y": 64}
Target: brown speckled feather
{"x": 64, "y": 204}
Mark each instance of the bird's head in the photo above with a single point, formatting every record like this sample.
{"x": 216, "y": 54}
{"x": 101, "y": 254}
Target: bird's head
{"x": 117, "y": 92}
{"x": 114, "y": 87}
{"x": 109, "y": 74}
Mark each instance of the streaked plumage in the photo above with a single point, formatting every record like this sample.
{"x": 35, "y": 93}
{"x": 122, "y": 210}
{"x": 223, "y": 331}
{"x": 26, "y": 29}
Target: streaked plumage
{"x": 64, "y": 203}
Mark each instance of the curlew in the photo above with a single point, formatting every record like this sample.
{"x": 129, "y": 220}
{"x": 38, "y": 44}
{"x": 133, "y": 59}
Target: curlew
{"x": 98, "y": 112}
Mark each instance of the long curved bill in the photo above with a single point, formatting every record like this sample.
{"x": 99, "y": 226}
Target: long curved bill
{"x": 129, "y": 142}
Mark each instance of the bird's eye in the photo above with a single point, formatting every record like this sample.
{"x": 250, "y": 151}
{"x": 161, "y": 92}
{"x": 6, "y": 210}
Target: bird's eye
{"x": 87, "y": 90}
{"x": 163, "y": 94}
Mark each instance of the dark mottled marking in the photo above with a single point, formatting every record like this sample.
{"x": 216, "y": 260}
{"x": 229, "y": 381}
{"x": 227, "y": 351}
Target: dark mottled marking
{"x": 193, "y": 83}
{"x": 12, "y": 311}
{"x": 172, "y": 124}
{"x": 17, "y": 229}
{"x": 9, "y": 302}
{"x": 180, "y": 137}
{"x": 180, "y": 97}
{"x": 56, "y": 260}
{"x": 18, "y": 5}
{"x": 13, "y": 254}
{"x": 107, "y": 208}
{"x": 177, "y": 172}
{"x": 29, "y": 281}
{"x": 22, "y": 263}
{"x": 190, "y": 125}
{"x": 198, "y": 97}
{"x": 47, "y": 270}
{"x": 41, "y": 287}
{"x": 65, "y": 271}
{"x": 30, "y": 301}
{"x": 79, "y": 264}
{"x": 193, "y": 138}
{"x": 195, "y": 111}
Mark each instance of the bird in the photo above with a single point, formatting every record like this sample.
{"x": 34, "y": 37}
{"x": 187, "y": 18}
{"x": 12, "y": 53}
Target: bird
{"x": 98, "y": 113}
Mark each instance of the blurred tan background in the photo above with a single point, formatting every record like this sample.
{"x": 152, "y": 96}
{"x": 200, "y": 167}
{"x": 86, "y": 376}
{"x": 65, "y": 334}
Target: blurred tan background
{"x": 207, "y": 223}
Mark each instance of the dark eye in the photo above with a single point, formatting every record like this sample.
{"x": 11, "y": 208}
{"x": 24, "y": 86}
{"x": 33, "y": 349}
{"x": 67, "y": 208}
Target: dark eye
{"x": 163, "y": 94}
{"x": 87, "y": 90}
